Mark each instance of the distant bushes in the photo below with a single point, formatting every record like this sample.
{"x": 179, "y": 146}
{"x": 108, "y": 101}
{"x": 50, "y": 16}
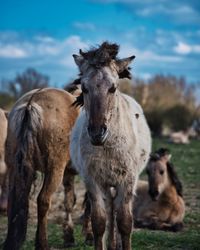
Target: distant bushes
{"x": 178, "y": 117}
{"x": 6, "y": 101}
{"x": 168, "y": 102}
{"x": 155, "y": 120}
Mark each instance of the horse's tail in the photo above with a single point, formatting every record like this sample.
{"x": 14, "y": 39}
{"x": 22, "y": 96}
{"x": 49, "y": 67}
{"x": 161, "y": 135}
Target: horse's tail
{"x": 25, "y": 122}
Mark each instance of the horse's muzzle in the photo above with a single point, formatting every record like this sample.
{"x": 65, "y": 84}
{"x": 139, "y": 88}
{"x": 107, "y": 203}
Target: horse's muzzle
{"x": 98, "y": 137}
{"x": 154, "y": 194}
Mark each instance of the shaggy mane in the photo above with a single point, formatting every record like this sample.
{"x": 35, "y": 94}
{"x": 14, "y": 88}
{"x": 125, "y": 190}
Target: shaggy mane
{"x": 72, "y": 87}
{"x": 102, "y": 55}
{"x": 159, "y": 153}
{"x": 174, "y": 178}
{"x": 98, "y": 57}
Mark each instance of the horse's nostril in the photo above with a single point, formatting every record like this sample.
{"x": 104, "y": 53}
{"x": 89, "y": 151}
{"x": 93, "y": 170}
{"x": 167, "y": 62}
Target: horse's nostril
{"x": 97, "y": 132}
{"x": 153, "y": 193}
{"x": 89, "y": 129}
{"x": 103, "y": 130}
{"x": 156, "y": 193}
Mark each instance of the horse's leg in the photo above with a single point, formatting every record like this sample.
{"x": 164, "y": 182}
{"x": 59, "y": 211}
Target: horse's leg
{"x": 124, "y": 217}
{"x": 98, "y": 218}
{"x": 69, "y": 201}
{"x": 4, "y": 193}
{"x": 51, "y": 181}
{"x": 87, "y": 227}
{"x": 112, "y": 233}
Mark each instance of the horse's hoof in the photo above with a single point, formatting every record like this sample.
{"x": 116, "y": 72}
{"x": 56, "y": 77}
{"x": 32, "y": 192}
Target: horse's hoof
{"x": 69, "y": 244}
{"x": 39, "y": 246}
{"x": 42, "y": 248}
{"x": 89, "y": 239}
{"x": 69, "y": 240}
{"x": 89, "y": 242}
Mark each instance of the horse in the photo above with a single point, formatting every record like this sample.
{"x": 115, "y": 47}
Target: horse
{"x": 110, "y": 144}
{"x": 3, "y": 167}
{"x": 180, "y": 137}
{"x": 159, "y": 203}
{"x": 39, "y": 127}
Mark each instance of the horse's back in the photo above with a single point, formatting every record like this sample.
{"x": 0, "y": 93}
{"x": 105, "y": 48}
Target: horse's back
{"x": 51, "y": 120}
{"x": 55, "y": 106}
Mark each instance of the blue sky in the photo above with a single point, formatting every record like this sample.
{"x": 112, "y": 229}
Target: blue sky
{"x": 164, "y": 35}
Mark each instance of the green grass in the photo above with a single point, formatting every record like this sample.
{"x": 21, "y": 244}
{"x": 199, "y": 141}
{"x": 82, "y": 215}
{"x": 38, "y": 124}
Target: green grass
{"x": 186, "y": 159}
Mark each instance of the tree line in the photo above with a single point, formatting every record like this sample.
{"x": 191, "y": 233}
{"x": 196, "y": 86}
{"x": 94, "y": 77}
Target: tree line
{"x": 168, "y": 101}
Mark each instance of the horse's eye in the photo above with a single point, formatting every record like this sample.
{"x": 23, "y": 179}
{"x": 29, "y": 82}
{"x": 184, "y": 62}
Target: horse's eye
{"x": 161, "y": 172}
{"x": 83, "y": 88}
{"x": 112, "y": 89}
{"x": 147, "y": 171}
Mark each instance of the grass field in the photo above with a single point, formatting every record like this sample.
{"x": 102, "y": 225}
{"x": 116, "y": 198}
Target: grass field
{"x": 186, "y": 159}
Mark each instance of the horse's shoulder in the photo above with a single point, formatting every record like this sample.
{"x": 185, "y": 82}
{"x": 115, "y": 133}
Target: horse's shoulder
{"x": 133, "y": 104}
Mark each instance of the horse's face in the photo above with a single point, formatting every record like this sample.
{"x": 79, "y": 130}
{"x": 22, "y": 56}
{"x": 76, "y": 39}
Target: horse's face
{"x": 157, "y": 177}
{"x": 99, "y": 91}
{"x": 99, "y": 85}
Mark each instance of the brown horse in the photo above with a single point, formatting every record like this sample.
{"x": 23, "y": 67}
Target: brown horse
{"x": 110, "y": 144}
{"x": 3, "y": 167}
{"x": 159, "y": 203}
{"x": 39, "y": 127}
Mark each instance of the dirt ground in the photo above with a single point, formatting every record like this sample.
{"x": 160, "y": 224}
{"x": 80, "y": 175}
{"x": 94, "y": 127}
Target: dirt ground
{"x": 56, "y": 213}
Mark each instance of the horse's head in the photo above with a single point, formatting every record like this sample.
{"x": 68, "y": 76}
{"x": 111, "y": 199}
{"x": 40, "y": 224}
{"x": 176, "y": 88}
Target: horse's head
{"x": 100, "y": 71}
{"x": 157, "y": 170}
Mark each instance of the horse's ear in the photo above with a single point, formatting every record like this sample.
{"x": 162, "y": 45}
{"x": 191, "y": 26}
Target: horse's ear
{"x": 122, "y": 64}
{"x": 166, "y": 158}
{"x": 174, "y": 178}
{"x": 78, "y": 60}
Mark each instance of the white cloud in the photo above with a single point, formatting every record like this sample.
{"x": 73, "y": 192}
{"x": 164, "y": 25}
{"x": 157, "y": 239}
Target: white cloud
{"x": 182, "y": 12}
{"x": 45, "y": 39}
{"x": 166, "y": 9}
{"x": 41, "y": 47}
{"x": 47, "y": 54}
{"x": 75, "y": 42}
{"x": 184, "y": 48}
{"x": 147, "y": 56}
{"x": 12, "y": 51}
{"x": 85, "y": 26}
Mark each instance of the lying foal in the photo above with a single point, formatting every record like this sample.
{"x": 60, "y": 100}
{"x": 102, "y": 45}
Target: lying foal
{"x": 159, "y": 203}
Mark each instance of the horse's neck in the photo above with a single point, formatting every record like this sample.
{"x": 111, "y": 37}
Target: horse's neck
{"x": 121, "y": 119}
{"x": 120, "y": 111}
{"x": 169, "y": 195}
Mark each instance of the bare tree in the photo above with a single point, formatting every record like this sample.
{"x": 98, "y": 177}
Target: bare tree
{"x": 28, "y": 80}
